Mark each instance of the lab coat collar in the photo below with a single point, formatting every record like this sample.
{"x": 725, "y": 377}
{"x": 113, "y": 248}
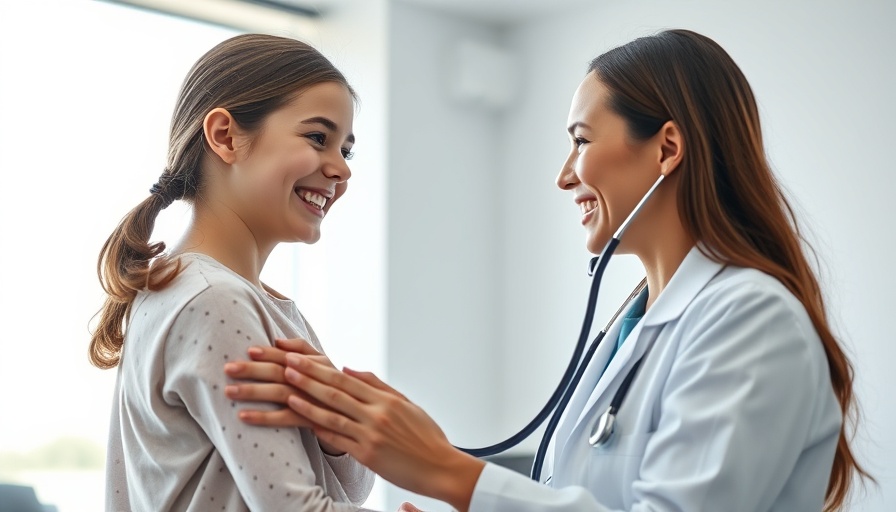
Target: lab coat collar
{"x": 694, "y": 273}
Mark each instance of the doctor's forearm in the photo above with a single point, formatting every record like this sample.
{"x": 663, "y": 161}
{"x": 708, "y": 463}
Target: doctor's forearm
{"x": 457, "y": 480}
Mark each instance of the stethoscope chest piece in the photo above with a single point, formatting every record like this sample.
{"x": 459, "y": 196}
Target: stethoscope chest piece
{"x": 603, "y": 428}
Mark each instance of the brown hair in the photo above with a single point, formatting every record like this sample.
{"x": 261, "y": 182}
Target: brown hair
{"x": 728, "y": 199}
{"x": 251, "y": 76}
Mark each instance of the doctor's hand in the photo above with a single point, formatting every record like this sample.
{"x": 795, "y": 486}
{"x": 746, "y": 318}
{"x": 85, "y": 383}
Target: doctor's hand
{"x": 408, "y": 507}
{"x": 265, "y": 382}
{"x": 358, "y": 413}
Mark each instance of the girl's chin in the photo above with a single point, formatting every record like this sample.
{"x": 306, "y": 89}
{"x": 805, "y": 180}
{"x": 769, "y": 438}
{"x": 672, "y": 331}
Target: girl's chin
{"x": 311, "y": 238}
{"x": 306, "y": 235}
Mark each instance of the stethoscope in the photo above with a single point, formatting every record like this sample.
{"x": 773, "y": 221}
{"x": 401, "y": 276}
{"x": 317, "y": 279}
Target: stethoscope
{"x": 605, "y": 425}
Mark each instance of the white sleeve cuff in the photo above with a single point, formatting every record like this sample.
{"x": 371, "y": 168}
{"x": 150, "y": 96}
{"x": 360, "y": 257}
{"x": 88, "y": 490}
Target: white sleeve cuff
{"x": 500, "y": 489}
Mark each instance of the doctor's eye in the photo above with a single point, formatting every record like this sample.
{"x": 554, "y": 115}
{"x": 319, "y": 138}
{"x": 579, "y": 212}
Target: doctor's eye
{"x": 579, "y": 141}
{"x": 347, "y": 154}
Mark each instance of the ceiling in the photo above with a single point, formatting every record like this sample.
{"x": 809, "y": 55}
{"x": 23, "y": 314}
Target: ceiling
{"x": 497, "y": 12}
{"x": 500, "y": 12}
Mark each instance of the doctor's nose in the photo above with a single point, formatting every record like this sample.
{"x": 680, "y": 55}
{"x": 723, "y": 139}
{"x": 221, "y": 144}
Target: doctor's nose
{"x": 567, "y": 179}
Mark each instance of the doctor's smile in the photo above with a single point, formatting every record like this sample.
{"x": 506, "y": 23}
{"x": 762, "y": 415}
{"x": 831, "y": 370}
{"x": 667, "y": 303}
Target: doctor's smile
{"x": 588, "y": 204}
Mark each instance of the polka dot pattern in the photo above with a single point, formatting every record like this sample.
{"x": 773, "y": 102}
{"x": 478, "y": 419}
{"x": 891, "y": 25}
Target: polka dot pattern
{"x": 221, "y": 316}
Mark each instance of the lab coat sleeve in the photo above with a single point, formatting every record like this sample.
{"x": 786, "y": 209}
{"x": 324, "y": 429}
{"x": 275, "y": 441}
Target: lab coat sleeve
{"x": 500, "y": 489}
{"x": 734, "y": 412}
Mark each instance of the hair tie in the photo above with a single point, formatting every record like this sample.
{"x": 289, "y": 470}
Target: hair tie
{"x": 160, "y": 190}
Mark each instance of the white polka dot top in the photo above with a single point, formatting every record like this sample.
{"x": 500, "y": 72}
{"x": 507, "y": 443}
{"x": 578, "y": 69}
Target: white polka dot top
{"x": 175, "y": 441}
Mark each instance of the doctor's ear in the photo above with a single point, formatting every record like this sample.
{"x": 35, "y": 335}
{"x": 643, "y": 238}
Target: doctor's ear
{"x": 220, "y": 130}
{"x": 671, "y": 147}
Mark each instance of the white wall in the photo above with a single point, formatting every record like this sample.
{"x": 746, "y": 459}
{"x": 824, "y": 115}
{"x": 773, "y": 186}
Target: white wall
{"x": 443, "y": 234}
{"x": 824, "y": 75}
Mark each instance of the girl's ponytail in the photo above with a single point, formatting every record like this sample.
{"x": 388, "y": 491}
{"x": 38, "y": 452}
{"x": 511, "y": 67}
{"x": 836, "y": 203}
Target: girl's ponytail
{"x": 127, "y": 264}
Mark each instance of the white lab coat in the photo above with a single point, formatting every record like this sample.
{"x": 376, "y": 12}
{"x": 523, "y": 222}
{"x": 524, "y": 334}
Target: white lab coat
{"x": 732, "y": 410}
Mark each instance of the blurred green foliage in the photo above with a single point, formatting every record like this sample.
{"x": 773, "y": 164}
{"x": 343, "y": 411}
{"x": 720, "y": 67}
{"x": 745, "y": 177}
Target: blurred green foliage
{"x": 62, "y": 453}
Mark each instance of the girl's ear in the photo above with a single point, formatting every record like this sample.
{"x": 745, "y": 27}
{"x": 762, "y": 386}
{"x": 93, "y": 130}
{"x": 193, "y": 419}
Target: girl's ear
{"x": 671, "y": 147}
{"x": 220, "y": 129}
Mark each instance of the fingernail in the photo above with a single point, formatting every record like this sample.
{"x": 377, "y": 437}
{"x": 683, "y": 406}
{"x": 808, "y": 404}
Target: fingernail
{"x": 231, "y": 367}
{"x": 293, "y": 359}
{"x": 255, "y": 351}
{"x": 231, "y": 391}
{"x": 291, "y": 374}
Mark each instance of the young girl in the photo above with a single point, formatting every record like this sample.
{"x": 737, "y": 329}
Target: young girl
{"x": 259, "y": 141}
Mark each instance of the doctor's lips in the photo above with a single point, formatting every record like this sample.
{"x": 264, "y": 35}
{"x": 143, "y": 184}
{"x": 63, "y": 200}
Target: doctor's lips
{"x": 587, "y": 203}
{"x": 315, "y": 197}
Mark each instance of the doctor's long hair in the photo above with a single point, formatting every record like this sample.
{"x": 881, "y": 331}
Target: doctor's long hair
{"x": 728, "y": 197}
{"x": 250, "y": 75}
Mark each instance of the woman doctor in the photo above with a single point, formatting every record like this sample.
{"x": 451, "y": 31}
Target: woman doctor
{"x": 743, "y": 393}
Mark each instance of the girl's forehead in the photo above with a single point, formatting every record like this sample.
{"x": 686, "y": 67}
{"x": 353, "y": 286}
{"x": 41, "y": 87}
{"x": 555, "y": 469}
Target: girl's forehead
{"x": 330, "y": 101}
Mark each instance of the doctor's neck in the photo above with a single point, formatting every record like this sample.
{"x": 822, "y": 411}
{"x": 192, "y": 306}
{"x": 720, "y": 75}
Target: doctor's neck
{"x": 661, "y": 242}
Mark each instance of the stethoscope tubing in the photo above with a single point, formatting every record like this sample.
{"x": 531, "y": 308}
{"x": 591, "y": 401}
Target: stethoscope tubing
{"x": 576, "y": 368}
{"x": 571, "y": 370}
{"x": 583, "y": 365}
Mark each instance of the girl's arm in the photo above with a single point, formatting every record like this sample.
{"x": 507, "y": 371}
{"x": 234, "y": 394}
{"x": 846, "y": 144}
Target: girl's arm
{"x": 273, "y": 468}
{"x": 268, "y": 365}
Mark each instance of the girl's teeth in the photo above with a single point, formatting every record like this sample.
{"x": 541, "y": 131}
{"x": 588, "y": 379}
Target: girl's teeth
{"x": 313, "y": 198}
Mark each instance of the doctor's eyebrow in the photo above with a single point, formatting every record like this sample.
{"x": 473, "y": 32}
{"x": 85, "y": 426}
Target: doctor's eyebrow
{"x": 330, "y": 125}
{"x": 577, "y": 124}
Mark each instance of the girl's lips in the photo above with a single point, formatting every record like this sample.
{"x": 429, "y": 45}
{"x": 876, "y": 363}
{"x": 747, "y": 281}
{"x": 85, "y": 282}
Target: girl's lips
{"x": 311, "y": 208}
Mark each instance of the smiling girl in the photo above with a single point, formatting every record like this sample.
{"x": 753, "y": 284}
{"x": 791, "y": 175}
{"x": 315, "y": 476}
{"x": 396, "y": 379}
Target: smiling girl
{"x": 258, "y": 146}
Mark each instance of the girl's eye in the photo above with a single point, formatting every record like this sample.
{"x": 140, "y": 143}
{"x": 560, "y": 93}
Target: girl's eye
{"x": 319, "y": 138}
{"x": 347, "y": 154}
{"x": 578, "y": 141}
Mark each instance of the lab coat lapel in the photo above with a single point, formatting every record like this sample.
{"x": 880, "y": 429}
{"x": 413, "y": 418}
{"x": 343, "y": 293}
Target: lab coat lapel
{"x": 628, "y": 353}
{"x": 695, "y": 271}
{"x": 583, "y": 390}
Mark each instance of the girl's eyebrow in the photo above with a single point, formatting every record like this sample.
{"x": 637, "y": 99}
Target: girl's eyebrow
{"x": 328, "y": 124}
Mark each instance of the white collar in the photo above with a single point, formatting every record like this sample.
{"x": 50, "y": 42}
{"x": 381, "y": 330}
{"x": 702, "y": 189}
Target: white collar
{"x": 694, "y": 273}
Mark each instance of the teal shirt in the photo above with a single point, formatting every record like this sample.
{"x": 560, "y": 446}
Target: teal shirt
{"x": 632, "y": 317}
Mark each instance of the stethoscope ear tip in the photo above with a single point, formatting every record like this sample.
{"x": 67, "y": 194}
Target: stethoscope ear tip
{"x": 592, "y": 264}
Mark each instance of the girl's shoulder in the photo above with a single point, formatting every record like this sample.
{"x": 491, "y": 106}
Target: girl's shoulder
{"x": 200, "y": 270}
{"x": 201, "y": 283}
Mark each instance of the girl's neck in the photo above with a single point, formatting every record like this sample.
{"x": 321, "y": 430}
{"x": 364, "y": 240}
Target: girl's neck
{"x": 223, "y": 236}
